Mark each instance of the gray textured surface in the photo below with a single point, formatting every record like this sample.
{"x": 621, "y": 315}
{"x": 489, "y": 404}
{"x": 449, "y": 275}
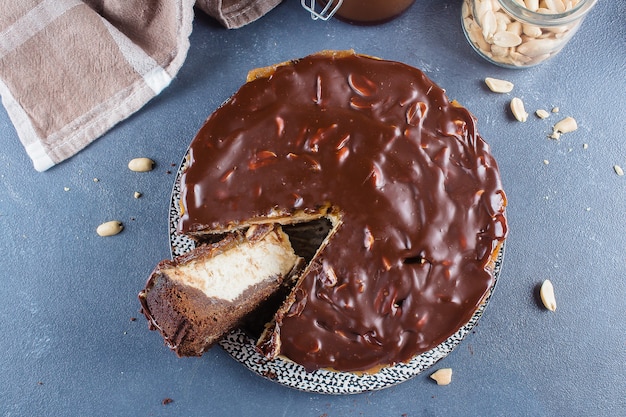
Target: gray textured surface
{"x": 68, "y": 344}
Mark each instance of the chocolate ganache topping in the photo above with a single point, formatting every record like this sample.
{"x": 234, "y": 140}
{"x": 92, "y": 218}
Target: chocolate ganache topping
{"x": 414, "y": 194}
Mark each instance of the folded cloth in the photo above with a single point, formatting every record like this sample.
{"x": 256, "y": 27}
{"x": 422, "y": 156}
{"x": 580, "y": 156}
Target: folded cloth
{"x": 71, "y": 69}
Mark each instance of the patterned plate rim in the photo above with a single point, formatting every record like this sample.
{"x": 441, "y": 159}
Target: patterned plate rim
{"x": 242, "y": 348}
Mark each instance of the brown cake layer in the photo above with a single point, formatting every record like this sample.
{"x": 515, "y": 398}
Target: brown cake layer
{"x": 412, "y": 191}
{"x": 198, "y": 297}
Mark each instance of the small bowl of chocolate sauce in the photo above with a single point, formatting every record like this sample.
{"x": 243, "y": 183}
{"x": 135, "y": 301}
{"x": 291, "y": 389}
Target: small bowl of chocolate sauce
{"x": 360, "y": 12}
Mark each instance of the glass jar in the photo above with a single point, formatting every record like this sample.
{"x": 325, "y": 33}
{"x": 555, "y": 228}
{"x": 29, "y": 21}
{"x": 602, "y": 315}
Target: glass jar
{"x": 364, "y": 12}
{"x": 521, "y": 33}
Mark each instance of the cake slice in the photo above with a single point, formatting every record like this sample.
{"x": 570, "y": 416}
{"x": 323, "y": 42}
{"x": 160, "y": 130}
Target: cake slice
{"x": 195, "y": 299}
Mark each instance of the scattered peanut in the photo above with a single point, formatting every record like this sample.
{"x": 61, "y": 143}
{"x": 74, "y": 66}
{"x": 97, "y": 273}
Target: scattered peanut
{"x": 509, "y": 42}
{"x": 547, "y": 295}
{"x": 542, "y": 114}
{"x": 517, "y": 107}
{"x": 566, "y": 125}
{"x": 442, "y": 376}
{"x": 499, "y": 86}
{"x": 618, "y": 170}
{"x": 141, "y": 164}
{"x": 110, "y": 228}
{"x": 137, "y": 194}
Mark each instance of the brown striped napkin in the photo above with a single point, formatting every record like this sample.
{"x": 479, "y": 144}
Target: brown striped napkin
{"x": 71, "y": 69}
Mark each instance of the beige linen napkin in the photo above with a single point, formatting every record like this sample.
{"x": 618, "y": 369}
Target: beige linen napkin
{"x": 71, "y": 69}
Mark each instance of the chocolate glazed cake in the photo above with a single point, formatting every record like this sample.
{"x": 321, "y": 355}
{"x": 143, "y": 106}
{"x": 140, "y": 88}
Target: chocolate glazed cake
{"x": 412, "y": 192}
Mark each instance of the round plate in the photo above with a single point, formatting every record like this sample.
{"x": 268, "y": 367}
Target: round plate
{"x": 242, "y": 348}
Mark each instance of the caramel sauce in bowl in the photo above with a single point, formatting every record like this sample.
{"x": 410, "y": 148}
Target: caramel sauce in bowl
{"x": 368, "y": 12}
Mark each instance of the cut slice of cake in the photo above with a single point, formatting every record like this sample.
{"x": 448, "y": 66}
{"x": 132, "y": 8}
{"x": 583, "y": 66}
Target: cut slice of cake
{"x": 198, "y": 297}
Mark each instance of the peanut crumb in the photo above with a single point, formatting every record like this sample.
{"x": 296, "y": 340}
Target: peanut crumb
{"x": 442, "y": 376}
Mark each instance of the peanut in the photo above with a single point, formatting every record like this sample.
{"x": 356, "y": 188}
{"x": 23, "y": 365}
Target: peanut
{"x": 566, "y": 125}
{"x": 517, "y": 107}
{"x": 547, "y": 295}
{"x": 506, "y": 39}
{"x": 110, "y": 228}
{"x": 499, "y": 86}
{"x": 141, "y": 164}
{"x": 442, "y": 376}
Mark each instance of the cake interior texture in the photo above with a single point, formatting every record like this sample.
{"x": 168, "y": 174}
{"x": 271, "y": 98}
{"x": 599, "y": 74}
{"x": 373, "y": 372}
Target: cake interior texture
{"x": 197, "y": 298}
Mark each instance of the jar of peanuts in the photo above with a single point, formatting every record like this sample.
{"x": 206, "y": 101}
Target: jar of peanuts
{"x": 521, "y": 33}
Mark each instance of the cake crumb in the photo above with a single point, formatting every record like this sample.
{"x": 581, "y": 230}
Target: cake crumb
{"x": 270, "y": 374}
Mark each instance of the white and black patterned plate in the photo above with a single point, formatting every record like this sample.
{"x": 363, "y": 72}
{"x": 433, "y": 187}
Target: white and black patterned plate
{"x": 242, "y": 348}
